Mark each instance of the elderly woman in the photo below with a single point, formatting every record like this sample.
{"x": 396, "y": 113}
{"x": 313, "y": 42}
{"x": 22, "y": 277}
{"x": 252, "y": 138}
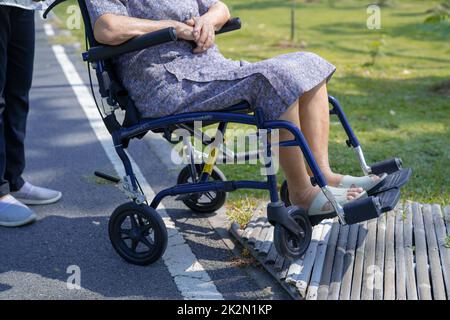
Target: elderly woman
{"x": 192, "y": 75}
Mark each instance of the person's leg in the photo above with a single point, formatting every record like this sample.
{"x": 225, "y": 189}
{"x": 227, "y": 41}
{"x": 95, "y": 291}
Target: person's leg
{"x": 12, "y": 212}
{"x": 301, "y": 191}
{"x": 4, "y": 36}
{"x": 314, "y": 115}
{"x": 18, "y": 84}
{"x": 19, "y": 76}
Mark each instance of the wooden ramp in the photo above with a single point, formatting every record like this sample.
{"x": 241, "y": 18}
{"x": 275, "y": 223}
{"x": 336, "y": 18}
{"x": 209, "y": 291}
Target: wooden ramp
{"x": 403, "y": 255}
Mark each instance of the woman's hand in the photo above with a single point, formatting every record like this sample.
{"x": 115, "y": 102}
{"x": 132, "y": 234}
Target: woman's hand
{"x": 204, "y": 33}
{"x": 184, "y": 31}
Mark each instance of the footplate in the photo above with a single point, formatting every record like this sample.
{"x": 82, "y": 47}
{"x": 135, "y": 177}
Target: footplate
{"x": 395, "y": 180}
{"x": 371, "y": 207}
{"x": 389, "y": 166}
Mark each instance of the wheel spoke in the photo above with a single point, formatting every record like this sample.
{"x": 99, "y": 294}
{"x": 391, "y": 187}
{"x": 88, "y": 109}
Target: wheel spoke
{"x": 134, "y": 244}
{"x": 145, "y": 241}
{"x": 209, "y": 196}
{"x": 125, "y": 234}
{"x": 134, "y": 223}
{"x": 141, "y": 221}
{"x": 145, "y": 228}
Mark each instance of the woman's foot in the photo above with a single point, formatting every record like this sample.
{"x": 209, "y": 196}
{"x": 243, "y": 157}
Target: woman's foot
{"x": 305, "y": 198}
{"x": 366, "y": 182}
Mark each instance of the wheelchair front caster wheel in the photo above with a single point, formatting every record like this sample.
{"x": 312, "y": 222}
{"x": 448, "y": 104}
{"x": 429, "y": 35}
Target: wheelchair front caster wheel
{"x": 138, "y": 233}
{"x": 207, "y": 202}
{"x": 290, "y": 245}
{"x": 284, "y": 194}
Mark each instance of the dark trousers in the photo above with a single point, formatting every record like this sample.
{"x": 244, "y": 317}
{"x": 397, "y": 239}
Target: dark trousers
{"x": 16, "y": 72}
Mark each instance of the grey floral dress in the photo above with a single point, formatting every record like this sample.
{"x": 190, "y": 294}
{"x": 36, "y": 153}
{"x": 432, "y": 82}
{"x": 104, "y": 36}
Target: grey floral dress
{"x": 170, "y": 78}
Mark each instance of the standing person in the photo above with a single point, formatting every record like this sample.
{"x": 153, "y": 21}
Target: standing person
{"x": 16, "y": 70}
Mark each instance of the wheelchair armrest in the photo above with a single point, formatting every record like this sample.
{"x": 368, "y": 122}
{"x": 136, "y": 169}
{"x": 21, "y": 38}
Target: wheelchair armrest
{"x": 145, "y": 41}
{"x": 231, "y": 25}
{"x": 139, "y": 43}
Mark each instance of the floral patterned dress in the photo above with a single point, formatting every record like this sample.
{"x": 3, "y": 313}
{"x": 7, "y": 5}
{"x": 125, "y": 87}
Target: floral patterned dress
{"x": 170, "y": 78}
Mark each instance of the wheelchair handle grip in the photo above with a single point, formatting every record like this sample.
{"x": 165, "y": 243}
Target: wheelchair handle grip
{"x": 136, "y": 44}
{"x": 51, "y": 6}
{"x": 231, "y": 25}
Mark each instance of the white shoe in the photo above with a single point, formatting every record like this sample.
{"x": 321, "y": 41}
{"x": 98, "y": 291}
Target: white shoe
{"x": 14, "y": 213}
{"x": 30, "y": 194}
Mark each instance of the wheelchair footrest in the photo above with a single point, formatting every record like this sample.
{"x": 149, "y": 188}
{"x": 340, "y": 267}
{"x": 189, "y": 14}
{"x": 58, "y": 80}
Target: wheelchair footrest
{"x": 387, "y": 166}
{"x": 371, "y": 207}
{"x": 395, "y": 180}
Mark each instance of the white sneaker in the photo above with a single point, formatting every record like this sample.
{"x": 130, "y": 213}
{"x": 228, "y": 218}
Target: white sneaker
{"x": 30, "y": 194}
{"x": 14, "y": 213}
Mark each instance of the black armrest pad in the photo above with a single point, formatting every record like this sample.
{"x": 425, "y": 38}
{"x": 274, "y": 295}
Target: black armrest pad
{"x": 135, "y": 44}
{"x": 231, "y": 25}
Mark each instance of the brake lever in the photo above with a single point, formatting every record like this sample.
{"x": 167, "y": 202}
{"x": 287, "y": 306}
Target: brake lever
{"x": 50, "y": 7}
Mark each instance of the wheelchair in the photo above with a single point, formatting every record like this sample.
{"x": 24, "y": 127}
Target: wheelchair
{"x": 136, "y": 230}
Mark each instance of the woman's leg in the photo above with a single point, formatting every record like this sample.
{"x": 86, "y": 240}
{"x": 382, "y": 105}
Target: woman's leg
{"x": 301, "y": 192}
{"x": 314, "y": 115}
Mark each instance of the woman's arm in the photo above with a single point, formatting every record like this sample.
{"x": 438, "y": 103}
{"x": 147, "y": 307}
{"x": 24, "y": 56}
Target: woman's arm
{"x": 217, "y": 15}
{"x": 111, "y": 29}
{"x": 206, "y": 25}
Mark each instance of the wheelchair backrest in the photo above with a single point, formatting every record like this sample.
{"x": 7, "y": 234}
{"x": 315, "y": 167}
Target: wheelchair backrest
{"x": 110, "y": 86}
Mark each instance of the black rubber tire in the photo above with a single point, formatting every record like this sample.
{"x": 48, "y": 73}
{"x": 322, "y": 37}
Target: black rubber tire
{"x": 216, "y": 202}
{"x": 286, "y": 243}
{"x": 147, "y": 220}
{"x": 284, "y": 194}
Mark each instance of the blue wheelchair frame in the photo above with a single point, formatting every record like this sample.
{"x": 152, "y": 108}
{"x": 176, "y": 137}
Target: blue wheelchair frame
{"x": 256, "y": 120}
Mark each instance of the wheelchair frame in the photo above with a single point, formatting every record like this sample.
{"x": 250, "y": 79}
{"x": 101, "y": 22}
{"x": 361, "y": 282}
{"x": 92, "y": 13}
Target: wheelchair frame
{"x": 287, "y": 224}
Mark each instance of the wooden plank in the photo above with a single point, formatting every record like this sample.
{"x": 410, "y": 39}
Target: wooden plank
{"x": 338, "y": 264}
{"x": 249, "y": 228}
{"x": 359, "y": 263}
{"x": 319, "y": 261}
{"x": 379, "y": 258}
{"x": 279, "y": 263}
{"x": 284, "y": 269}
{"x": 370, "y": 270}
{"x": 253, "y": 236}
{"x": 389, "y": 260}
{"x": 444, "y": 252}
{"x": 322, "y": 292}
{"x": 291, "y": 291}
{"x": 447, "y": 219}
{"x": 437, "y": 281}
{"x": 271, "y": 256}
{"x": 262, "y": 236}
{"x": 349, "y": 259}
{"x": 411, "y": 288}
{"x": 400, "y": 277}
{"x": 235, "y": 227}
{"x": 294, "y": 270}
{"x": 308, "y": 260}
{"x": 423, "y": 281}
{"x": 268, "y": 241}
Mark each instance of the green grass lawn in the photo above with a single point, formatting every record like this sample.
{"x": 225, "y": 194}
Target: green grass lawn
{"x": 393, "y": 105}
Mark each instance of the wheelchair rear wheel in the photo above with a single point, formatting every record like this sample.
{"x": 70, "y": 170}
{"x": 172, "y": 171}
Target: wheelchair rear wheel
{"x": 207, "y": 202}
{"x": 138, "y": 233}
{"x": 290, "y": 245}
